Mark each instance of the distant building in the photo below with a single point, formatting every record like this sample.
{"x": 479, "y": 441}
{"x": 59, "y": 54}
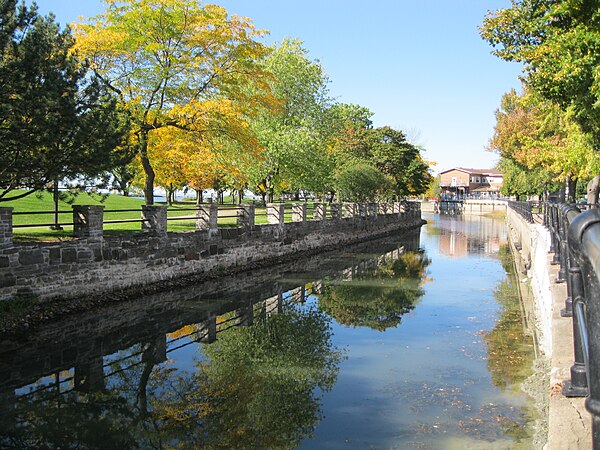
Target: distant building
{"x": 461, "y": 182}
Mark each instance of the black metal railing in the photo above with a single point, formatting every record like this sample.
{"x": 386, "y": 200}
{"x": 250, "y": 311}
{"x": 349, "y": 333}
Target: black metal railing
{"x": 524, "y": 209}
{"x": 575, "y": 242}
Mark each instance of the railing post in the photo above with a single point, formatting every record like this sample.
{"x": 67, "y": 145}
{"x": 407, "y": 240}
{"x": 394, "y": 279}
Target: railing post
{"x": 320, "y": 211}
{"x": 577, "y": 386}
{"x": 350, "y": 210}
{"x": 561, "y": 277}
{"x": 87, "y": 221}
{"x": 207, "y": 217}
{"x": 276, "y": 213}
{"x": 154, "y": 220}
{"x": 246, "y": 215}
{"x": 556, "y": 235}
{"x": 567, "y": 311}
{"x": 336, "y": 211}
{"x": 362, "y": 210}
{"x": 299, "y": 212}
{"x": 6, "y": 227}
{"x": 584, "y": 239}
{"x": 209, "y": 329}
{"x": 372, "y": 210}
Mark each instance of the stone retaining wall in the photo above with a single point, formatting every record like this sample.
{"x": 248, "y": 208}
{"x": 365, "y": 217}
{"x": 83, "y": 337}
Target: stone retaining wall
{"x": 94, "y": 263}
{"x": 532, "y": 244}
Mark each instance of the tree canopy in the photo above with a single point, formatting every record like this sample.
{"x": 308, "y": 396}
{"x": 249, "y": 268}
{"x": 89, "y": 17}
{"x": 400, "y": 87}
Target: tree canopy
{"x": 56, "y": 119}
{"x": 188, "y": 67}
{"x": 559, "y": 44}
{"x": 295, "y": 136}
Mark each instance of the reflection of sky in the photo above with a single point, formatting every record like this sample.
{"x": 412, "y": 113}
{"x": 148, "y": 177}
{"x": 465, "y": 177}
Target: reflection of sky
{"x": 413, "y": 383}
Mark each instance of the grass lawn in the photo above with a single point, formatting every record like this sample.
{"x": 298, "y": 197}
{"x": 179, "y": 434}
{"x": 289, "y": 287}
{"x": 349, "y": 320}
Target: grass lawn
{"x": 42, "y": 203}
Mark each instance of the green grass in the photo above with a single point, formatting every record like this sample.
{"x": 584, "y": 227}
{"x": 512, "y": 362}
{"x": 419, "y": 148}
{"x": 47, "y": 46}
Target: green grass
{"x": 42, "y": 202}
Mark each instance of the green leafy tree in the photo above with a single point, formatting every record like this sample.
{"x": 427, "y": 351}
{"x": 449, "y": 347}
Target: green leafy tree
{"x": 521, "y": 181}
{"x": 295, "y": 136}
{"x": 434, "y": 190}
{"x": 401, "y": 160}
{"x": 558, "y": 42}
{"x": 56, "y": 120}
{"x": 361, "y": 182}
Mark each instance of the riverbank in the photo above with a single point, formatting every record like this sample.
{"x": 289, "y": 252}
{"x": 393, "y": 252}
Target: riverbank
{"x": 568, "y": 422}
{"x": 47, "y": 279}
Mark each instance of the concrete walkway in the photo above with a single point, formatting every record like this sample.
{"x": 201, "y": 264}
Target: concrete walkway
{"x": 569, "y": 423}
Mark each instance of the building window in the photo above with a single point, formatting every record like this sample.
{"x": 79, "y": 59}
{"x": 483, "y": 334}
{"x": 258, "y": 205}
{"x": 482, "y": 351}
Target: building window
{"x": 454, "y": 181}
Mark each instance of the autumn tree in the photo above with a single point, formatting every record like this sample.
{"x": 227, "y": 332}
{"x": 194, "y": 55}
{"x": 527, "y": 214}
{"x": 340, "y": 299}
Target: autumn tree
{"x": 56, "y": 119}
{"x": 178, "y": 64}
{"x": 538, "y": 135}
{"x": 558, "y": 42}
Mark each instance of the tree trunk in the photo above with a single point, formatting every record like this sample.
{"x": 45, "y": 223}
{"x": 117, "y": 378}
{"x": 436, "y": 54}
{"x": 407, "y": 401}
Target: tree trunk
{"x": 55, "y": 198}
{"x": 170, "y": 192}
{"x": 572, "y": 189}
{"x": 148, "y": 170}
{"x": 593, "y": 187}
{"x": 198, "y": 196}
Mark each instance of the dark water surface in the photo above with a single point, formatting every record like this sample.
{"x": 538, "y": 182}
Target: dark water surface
{"x": 414, "y": 341}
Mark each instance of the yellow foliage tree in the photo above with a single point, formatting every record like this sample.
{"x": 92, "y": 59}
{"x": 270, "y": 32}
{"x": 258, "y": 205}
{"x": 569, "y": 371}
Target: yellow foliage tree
{"x": 178, "y": 64}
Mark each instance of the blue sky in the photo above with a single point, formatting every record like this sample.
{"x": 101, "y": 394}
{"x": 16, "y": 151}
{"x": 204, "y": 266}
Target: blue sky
{"x": 419, "y": 65}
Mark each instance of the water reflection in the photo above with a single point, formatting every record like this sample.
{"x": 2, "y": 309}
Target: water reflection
{"x": 443, "y": 378}
{"x": 509, "y": 347}
{"x": 379, "y": 299}
{"x": 463, "y": 235}
{"x": 242, "y": 364}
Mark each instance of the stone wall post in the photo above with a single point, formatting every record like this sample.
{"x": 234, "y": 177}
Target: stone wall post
{"x": 274, "y": 305}
{"x": 87, "y": 221}
{"x": 362, "y": 210}
{"x": 397, "y": 208}
{"x": 154, "y": 220}
{"x": 320, "y": 211}
{"x": 207, "y": 217}
{"x": 245, "y": 315}
{"x": 246, "y": 216}
{"x": 381, "y": 208}
{"x": 299, "y": 212}
{"x": 349, "y": 210}
{"x": 6, "y": 227}
{"x": 336, "y": 211}
{"x": 209, "y": 329}
{"x": 372, "y": 210}
{"x": 276, "y": 213}
{"x": 89, "y": 376}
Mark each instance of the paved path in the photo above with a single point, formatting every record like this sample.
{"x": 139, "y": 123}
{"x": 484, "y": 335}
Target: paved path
{"x": 569, "y": 423}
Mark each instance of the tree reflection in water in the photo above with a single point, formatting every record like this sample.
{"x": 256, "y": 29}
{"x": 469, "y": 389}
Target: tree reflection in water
{"x": 509, "y": 348}
{"x": 377, "y": 298}
{"x": 256, "y": 387}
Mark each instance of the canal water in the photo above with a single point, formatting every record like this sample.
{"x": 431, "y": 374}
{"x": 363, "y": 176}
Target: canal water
{"x": 413, "y": 341}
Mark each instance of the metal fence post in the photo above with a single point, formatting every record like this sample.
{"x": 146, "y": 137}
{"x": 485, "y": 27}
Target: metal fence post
{"x": 577, "y": 386}
{"x": 584, "y": 238}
